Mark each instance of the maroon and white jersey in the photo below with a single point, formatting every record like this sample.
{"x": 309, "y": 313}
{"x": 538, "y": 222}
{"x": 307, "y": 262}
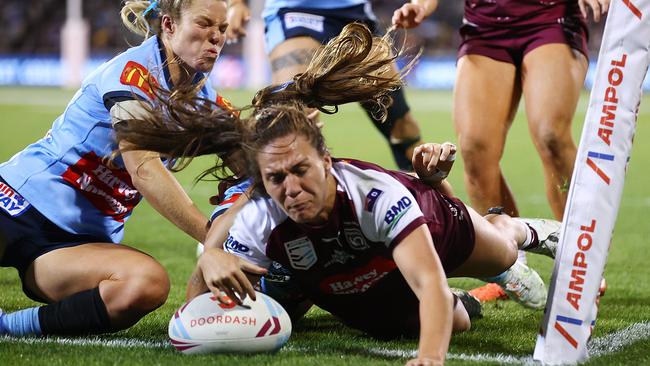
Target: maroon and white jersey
{"x": 345, "y": 266}
{"x": 515, "y": 13}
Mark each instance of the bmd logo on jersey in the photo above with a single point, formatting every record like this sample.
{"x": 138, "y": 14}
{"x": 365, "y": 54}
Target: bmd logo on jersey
{"x": 235, "y": 246}
{"x": 301, "y": 253}
{"x": 395, "y": 212}
{"x": 137, "y": 75}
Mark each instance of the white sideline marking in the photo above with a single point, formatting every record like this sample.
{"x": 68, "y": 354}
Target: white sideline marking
{"x": 600, "y": 346}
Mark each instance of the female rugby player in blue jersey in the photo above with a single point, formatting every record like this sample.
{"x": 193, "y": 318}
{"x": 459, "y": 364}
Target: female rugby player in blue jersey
{"x": 67, "y": 204}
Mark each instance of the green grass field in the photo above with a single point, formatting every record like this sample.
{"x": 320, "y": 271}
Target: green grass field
{"x": 505, "y": 334}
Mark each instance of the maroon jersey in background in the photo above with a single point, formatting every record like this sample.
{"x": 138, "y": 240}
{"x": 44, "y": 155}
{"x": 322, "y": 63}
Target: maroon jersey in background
{"x": 521, "y": 13}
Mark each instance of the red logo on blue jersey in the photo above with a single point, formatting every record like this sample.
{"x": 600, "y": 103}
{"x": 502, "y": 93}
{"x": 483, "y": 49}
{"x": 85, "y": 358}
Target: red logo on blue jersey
{"x": 109, "y": 189}
{"x": 137, "y": 75}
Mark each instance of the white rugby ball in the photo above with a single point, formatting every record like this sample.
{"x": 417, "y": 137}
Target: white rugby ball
{"x": 204, "y": 325}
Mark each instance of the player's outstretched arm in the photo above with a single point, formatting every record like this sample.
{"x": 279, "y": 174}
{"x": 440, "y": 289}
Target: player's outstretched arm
{"x": 159, "y": 187}
{"x": 418, "y": 261}
{"x": 411, "y": 15}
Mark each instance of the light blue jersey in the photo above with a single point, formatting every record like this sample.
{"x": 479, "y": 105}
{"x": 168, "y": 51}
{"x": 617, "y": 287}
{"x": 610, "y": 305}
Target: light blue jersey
{"x": 272, "y": 6}
{"x": 66, "y": 175}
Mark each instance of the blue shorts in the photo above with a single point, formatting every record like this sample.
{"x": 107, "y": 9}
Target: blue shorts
{"x": 28, "y": 234}
{"x": 320, "y": 24}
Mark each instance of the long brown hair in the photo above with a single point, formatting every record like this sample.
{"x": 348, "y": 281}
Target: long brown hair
{"x": 353, "y": 67}
{"x": 181, "y": 126}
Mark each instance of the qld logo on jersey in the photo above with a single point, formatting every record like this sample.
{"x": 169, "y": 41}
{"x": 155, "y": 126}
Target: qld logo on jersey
{"x": 301, "y": 253}
{"x": 396, "y": 211}
{"x": 10, "y": 201}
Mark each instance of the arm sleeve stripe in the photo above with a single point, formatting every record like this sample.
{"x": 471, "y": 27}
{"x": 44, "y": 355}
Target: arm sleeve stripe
{"x": 113, "y": 97}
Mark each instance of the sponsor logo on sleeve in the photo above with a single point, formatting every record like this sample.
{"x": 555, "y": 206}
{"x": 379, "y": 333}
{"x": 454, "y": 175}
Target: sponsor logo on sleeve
{"x": 304, "y": 20}
{"x": 233, "y": 245}
{"x": 371, "y": 199}
{"x": 109, "y": 189}
{"x": 138, "y": 76}
{"x": 301, "y": 253}
{"x": 11, "y": 202}
{"x": 396, "y": 211}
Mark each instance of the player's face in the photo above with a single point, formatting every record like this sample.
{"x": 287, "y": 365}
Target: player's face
{"x": 198, "y": 36}
{"x": 297, "y": 177}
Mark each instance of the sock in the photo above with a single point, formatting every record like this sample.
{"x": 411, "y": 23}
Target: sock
{"x": 531, "y": 238}
{"x": 21, "y": 323}
{"x": 81, "y": 313}
{"x": 499, "y": 279}
{"x": 521, "y": 257}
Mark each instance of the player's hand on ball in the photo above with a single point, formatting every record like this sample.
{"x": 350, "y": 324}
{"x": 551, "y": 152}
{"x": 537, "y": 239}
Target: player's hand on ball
{"x": 432, "y": 162}
{"x": 224, "y": 275}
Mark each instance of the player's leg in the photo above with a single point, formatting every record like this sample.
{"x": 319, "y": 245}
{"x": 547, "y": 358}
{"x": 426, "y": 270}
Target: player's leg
{"x": 291, "y": 57}
{"x": 553, "y": 76}
{"x": 89, "y": 289}
{"x": 484, "y": 107}
{"x": 493, "y": 258}
{"x": 400, "y": 129}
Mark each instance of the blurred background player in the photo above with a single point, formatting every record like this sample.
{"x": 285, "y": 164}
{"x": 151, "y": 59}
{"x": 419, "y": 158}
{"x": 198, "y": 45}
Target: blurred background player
{"x": 294, "y": 29}
{"x": 539, "y": 50}
{"x": 71, "y": 203}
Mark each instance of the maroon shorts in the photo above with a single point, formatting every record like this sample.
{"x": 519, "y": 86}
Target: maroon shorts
{"x": 455, "y": 241}
{"x": 512, "y": 44}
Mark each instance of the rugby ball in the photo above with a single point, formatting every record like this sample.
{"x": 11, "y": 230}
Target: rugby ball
{"x": 205, "y": 325}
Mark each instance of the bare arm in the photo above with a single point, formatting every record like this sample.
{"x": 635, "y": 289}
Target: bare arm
{"x": 163, "y": 192}
{"x": 418, "y": 261}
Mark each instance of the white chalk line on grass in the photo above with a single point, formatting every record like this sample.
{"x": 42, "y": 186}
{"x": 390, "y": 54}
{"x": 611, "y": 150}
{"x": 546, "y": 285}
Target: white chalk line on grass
{"x": 600, "y": 346}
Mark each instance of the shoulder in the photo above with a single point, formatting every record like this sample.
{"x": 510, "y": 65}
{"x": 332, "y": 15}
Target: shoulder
{"x": 257, "y": 219}
{"x": 134, "y": 73}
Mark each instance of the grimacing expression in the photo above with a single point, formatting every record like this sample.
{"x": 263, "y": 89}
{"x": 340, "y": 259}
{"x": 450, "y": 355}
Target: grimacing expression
{"x": 198, "y": 36}
{"x": 295, "y": 175}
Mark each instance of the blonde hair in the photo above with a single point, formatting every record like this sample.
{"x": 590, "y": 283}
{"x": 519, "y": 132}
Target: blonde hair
{"x": 134, "y": 17}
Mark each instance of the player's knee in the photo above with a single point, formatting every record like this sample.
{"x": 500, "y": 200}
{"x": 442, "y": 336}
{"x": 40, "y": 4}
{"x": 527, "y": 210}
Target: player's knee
{"x": 553, "y": 145}
{"x": 144, "y": 290}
